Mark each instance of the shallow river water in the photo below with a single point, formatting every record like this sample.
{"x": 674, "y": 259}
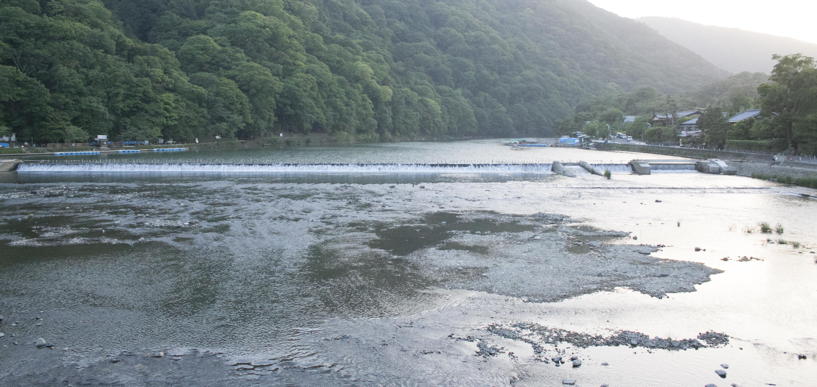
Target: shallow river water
{"x": 462, "y": 263}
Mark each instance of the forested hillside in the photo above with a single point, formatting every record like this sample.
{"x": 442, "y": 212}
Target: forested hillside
{"x": 730, "y": 49}
{"x": 184, "y": 69}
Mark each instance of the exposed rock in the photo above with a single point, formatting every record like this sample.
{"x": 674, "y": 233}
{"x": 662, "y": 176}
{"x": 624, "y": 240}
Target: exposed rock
{"x": 569, "y": 382}
{"x": 801, "y": 357}
{"x": 577, "y": 363}
{"x": 41, "y": 343}
{"x": 546, "y": 335}
{"x": 714, "y": 339}
{"x": 721, "y": 373}
{"x": 725, "y": 366}
{"x": 486, "y": 350}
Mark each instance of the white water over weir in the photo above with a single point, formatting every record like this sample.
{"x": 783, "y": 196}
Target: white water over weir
{"x": 274, "y": 169}
{"x": 325, "y": 169}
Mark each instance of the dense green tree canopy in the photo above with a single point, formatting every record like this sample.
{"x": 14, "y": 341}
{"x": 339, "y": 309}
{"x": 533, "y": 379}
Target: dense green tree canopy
{"x": 791, "y": 95}
{"x": 183, "y": 69}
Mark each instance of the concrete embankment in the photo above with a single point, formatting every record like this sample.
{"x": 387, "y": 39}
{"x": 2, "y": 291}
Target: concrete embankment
{"x": 9, "y": 165}
{"x": 590, "y": 168}
{"x": 767, "y": 170}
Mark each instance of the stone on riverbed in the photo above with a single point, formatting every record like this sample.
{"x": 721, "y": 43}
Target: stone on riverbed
{"x": 41, "y": 343}
{"x": 721, "y": 373}
{"x": 555, "y": 336}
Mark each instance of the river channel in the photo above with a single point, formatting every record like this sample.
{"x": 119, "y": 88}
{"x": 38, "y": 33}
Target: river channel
{"x": 464, "y": 263}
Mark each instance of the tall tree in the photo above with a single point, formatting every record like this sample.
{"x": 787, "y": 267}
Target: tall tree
{"x": 715, "y": 128}
{"x": 791, "y": 96}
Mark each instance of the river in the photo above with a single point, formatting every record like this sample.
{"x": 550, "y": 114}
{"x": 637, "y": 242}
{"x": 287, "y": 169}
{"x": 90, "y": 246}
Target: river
{"x": 463, "y": 263}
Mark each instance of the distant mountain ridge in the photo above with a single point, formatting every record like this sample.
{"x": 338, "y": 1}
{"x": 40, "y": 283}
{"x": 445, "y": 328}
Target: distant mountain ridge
{"x": 733, "y": 50}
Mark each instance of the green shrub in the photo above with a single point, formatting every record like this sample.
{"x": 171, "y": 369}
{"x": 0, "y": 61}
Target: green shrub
{"x": 765, "y": 228}
{"x": 607, "y": 174}
{"x": 757, "y": 145}
{"x": 779, "y": 229}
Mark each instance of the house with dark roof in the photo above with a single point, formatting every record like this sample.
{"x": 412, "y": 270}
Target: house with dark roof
{"x": 688, "y": 113}
{"x": 745, "y": 116}
{"x": 666, "y": 119}
{"x": 690, "y": 125}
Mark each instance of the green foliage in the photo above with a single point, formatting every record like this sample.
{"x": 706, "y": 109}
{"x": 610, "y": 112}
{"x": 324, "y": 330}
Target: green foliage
{"x": 597, "y": 129}
{"x": 765, "y": 228}
{"x": 184, "y": 69}
{"x": 791, "y": 94}
{"x": 779, "y": 229}
{"x": 768, "y": 146}
{"x": 736, "y": 93}
{"x": 607, "y": 174}
{"x": 715, "y": 127}
{"x": 661, "y": 135}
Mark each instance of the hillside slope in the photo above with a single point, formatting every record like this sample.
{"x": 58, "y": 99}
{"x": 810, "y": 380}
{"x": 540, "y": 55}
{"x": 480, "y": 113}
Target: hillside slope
{"x": 733, "y": 50}
{"x": 381, "y": 68}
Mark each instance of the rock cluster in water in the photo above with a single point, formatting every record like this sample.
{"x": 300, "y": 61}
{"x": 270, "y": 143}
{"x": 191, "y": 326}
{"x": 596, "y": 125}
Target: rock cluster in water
{"x": 545, "y": 335}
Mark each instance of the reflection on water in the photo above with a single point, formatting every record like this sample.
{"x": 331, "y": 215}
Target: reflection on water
{"x": 397, "y": 279}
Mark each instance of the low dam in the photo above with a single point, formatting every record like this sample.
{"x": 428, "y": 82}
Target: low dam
{"x": 566, "y": 169}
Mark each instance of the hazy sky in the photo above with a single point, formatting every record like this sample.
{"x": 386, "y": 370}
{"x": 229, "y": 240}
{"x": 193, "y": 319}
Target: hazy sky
{"x": 792, "y": 18}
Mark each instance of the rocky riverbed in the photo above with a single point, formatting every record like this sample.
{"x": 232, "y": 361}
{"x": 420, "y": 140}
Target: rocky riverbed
{"x": 432, "y": 281}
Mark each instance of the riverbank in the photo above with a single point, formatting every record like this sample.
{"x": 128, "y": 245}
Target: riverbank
{"x": 748, "y": 164}
{"x": 285, "y": 141}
